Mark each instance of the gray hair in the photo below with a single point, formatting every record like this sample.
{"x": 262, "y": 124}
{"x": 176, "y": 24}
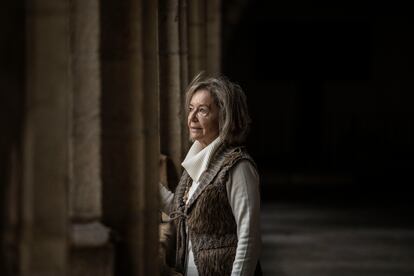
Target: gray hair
{"x": 234, "y": 120}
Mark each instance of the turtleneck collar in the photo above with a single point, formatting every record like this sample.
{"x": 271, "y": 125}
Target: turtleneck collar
{"x": 197, "y": 159}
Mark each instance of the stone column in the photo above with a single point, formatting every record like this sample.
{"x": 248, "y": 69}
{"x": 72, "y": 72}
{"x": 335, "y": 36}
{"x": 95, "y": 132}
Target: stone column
{"x": 91, "y": 251}
{"x": 85, "y": 189}
{"x": 183, "y": 35}
{"x": 12, "y": 52}
{"x": 10, "y": 207}
{"x": 130, "y": 132}
{"x": 184, "y": 68}
{"x": 197, "y": 36}
{"x": 46, "y": 130}
{"x": 213, "y": 47}
{"x": 173, "y": 72}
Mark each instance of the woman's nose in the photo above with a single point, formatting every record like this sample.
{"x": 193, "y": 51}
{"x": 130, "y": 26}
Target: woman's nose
{"x": 193, "y": 116}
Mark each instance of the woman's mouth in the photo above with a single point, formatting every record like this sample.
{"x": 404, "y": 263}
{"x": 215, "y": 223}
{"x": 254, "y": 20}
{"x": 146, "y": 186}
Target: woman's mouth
{"x": 195, "y": 129}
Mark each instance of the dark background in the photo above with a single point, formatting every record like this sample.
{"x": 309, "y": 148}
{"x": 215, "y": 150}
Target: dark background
{"x": 330, "y": 92}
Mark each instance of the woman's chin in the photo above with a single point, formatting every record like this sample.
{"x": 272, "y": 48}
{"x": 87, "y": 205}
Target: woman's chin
{"x": 197, "y": 139}
{"x": 194, "y": 137}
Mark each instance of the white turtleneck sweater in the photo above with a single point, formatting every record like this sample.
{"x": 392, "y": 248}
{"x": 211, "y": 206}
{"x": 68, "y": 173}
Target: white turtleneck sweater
{"x": 243, "y": 195}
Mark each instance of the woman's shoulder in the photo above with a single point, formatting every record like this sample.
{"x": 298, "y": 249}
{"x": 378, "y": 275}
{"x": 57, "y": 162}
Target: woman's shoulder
{"x": 237, "y": 154}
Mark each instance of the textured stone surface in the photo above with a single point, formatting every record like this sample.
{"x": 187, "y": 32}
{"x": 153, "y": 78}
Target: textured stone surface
{"x": 85, "y": 186}
{"x": 173, "y": 129}
{"x": 130, "y": 132}
{"x": 43, "y": 248}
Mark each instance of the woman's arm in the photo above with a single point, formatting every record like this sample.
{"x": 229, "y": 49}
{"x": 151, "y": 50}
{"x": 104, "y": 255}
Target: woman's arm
{"x": 244, "y": 198}
{"x": 166, "y": 199}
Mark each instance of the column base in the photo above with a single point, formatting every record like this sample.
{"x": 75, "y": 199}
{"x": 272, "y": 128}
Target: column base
{"x": 91, "y": 252}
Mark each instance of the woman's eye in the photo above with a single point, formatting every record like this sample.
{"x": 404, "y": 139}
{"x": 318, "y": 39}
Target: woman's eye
{"x": 203, "y": 111}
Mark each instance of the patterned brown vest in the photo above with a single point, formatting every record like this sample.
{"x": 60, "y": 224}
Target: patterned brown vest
{"x": 211, "y": 225}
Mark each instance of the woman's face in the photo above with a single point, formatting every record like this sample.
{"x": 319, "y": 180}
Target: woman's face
{"x": 203, "y": 118}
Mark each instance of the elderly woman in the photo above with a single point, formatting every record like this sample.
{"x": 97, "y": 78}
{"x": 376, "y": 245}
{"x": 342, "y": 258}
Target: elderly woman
{"x": 215, "y": 208}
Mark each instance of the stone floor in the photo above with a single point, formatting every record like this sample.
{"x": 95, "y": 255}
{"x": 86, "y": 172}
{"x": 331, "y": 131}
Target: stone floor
{"x": 328, "y": 240}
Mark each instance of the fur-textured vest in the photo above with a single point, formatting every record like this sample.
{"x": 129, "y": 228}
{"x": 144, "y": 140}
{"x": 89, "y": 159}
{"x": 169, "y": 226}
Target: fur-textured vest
{"x": 208, "y": 216}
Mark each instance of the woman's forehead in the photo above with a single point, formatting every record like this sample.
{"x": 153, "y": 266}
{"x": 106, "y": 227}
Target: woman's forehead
{"x": 202, "y": 97}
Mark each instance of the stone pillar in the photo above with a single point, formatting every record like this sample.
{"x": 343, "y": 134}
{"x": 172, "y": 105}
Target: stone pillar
{"x": 183, "y": 34}
{"x": 10, "y": 214}
{"x": 91, "y": 251}
{"x": 44, "y": 247}
{"x": 12, "y": 52}
{"x": 184, "y": 68}
{"x": 197, "y": 36}
{"x": 213, "y": 29}
{"x": 130, "y": 132}
{"x": 85, "y": 188}
{"x": 173, "y": 79}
